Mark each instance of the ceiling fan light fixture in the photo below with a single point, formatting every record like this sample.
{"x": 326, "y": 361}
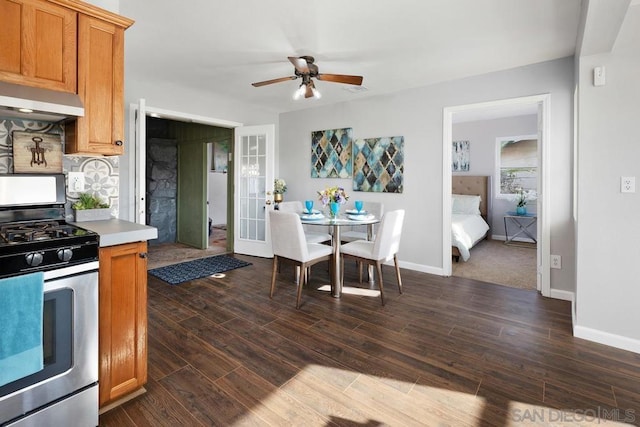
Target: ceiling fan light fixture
{"x": 299, "y": 93}
{"x": 305, "y": 68}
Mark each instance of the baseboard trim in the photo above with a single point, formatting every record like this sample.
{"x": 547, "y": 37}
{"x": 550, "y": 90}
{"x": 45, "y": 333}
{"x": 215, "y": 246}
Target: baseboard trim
{"x": 419, "y": 267}
{"x": 606, "y": 338}
{"x": 563, "y": 295}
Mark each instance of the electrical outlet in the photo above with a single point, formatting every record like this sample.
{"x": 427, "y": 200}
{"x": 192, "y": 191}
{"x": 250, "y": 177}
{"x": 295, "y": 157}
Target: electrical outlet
{"x": 556, "y": 261}
{"x": 76, "y": 182}
{"x": 628, "y": 184}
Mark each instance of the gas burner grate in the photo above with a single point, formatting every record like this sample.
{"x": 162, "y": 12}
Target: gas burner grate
{"x": 34, "y": 231}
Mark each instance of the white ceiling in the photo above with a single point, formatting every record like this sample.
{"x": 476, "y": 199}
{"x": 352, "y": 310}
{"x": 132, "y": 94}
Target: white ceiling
{"x": 223, "y": 46}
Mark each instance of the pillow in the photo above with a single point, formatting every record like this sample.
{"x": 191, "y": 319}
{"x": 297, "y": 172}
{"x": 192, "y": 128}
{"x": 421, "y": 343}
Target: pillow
{"x": 464, "y": 204}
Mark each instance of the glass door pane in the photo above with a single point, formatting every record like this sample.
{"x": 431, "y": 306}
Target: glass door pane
{"x": 252, "y": 188}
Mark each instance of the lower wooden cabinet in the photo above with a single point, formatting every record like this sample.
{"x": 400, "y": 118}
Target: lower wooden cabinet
{"x": 123, "y": 320}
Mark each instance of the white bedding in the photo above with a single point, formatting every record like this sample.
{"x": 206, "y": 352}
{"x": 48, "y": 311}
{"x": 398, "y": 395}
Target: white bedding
{"x": 466, "y": 231}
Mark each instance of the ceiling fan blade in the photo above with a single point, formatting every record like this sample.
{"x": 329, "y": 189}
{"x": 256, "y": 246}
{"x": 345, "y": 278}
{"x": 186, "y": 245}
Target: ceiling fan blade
{"x": 340, "y": 78}
{"x": 300, "y": 64}
{"x": 268, "y": 82}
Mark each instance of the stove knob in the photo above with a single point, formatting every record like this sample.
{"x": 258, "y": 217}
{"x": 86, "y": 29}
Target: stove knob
{"x": 64, "y": 254}
{"x": 33, "y": 259}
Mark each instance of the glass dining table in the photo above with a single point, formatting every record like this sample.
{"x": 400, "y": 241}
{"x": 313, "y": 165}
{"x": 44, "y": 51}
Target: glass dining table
{"x": 335, "y": 224}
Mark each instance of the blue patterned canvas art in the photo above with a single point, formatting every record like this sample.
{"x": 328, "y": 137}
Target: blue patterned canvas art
{"x": 331, "y": 153}
{"x": 378, "y": 164}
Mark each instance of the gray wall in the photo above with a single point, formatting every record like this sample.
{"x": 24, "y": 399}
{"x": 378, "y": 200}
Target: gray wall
{"x": 417, "y": 115}
{"x": 482, "y": 136}
{"x": 608, "y": 225}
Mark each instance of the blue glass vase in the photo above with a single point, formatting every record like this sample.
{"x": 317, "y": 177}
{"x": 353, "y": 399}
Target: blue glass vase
{"x": 334, "y": 209}
{"x": 521, "y": 210}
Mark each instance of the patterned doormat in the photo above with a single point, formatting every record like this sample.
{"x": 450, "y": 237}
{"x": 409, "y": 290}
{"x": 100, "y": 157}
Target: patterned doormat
{"x": 197, "y": 269}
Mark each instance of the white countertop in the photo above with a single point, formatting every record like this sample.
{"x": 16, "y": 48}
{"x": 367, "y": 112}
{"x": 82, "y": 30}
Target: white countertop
{"x": 117, "y": 231}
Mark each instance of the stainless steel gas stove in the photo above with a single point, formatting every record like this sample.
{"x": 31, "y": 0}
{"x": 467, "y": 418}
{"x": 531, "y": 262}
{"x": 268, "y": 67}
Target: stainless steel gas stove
{"x": 34, "y": 237}
{"x": 43, "y": 245}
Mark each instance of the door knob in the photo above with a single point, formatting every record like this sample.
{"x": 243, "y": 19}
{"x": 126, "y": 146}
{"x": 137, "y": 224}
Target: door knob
{"x": 143, "y": 255}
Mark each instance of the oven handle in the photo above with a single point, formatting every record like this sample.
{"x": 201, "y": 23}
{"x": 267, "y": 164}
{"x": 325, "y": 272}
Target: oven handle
{"x": 69, "y": 270}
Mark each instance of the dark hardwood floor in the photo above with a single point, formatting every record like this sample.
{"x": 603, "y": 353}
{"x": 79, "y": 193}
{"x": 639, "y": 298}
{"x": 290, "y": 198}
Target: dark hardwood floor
{"x": 449, "y": 351}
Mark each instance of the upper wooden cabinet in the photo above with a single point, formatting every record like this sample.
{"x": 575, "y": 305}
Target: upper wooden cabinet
{"x": 38, "y": 44}
{"x": 70, "y": 46}
{"x": 101, "y": 89}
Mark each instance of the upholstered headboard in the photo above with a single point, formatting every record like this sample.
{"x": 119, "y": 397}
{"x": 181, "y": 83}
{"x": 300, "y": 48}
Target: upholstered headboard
{"x": 475, "y": 185}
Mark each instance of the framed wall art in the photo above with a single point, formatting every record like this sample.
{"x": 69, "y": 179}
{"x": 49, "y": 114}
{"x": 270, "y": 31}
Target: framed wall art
{"x": 331, "y": 153}
{"x": 378, "y": 164}
{"x": 219, "y": 157}
{"x": 36, "y": 152}
{"x": 460, "y": 156}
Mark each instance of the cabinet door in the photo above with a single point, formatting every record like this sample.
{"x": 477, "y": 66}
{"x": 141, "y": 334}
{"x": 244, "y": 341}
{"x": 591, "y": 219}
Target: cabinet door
{"x": 38, "y": 41}
{"x": 101, "y": 88}
{"x": 123, "y": 320}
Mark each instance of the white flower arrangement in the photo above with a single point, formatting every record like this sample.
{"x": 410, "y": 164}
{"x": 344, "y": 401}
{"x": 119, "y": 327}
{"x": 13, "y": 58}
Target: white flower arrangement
{"x": 279, "y": 186}
{"x": 523, "y": 196}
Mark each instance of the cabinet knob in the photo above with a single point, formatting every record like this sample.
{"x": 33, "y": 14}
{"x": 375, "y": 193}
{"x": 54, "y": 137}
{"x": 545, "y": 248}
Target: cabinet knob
{"x": 119, "y": 143}
{"x": 143, "y": 254}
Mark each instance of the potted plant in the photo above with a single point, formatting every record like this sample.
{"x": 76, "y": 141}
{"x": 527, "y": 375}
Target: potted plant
{"x": 521, "y": 198}
{"x": 90, "y": 207}
{"x": 279, "y": 188}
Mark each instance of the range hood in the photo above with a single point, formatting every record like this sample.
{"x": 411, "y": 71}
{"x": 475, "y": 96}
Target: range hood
{"x": 46, "y": 104}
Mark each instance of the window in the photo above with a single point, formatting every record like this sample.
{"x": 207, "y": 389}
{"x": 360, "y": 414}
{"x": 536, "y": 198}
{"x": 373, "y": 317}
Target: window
{"x": 517, "y": 163}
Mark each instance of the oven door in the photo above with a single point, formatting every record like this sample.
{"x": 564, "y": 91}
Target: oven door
{"x": 70, "y": 343}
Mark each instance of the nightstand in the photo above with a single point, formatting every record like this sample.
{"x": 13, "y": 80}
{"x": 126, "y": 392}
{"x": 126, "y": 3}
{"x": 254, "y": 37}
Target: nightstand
{"x": 524, "y": 224}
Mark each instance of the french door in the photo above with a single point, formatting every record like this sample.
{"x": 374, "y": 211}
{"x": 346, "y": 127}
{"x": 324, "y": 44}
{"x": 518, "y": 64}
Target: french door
{"x": 253, "y": 182}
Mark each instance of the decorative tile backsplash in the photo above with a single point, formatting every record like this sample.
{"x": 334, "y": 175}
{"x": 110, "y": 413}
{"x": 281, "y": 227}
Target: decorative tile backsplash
{"x": 101, "y": 174}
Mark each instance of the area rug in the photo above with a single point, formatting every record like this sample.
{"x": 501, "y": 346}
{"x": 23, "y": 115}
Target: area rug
{"x": 197, "y": 269}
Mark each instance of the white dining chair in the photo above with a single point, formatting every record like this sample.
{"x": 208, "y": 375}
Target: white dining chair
{"x": 359, "y": 232}
{"x": 311, "y": 236}
{"x": 384, "y": 248}
{"x": 288, "y": 242}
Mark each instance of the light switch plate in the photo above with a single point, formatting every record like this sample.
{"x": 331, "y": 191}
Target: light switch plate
{"x": 599, "y": 78}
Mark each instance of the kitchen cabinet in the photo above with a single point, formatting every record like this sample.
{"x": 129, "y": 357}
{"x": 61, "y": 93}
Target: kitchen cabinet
{"x": 101, "y": 89}
{"x": 70, "y": 46}
{"x": 38, "y": 44}
{"x": 123, "y": 320}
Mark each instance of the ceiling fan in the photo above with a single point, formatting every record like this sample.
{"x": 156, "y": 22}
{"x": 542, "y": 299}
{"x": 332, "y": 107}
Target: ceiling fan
{"x": 306, "y": 69}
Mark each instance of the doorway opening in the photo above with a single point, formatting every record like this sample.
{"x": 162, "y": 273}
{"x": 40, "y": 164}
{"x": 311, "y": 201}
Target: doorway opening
{"x": 481, "y": 125}
{"x": 165, "y": 139}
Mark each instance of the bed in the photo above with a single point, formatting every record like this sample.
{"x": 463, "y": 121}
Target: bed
{"x": 470, "y": 201}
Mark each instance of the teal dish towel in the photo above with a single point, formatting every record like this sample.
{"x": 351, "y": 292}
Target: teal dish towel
{"x": 21, "y": 305}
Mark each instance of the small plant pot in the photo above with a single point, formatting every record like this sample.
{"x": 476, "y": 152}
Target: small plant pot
{"x": 92, "y": 214}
